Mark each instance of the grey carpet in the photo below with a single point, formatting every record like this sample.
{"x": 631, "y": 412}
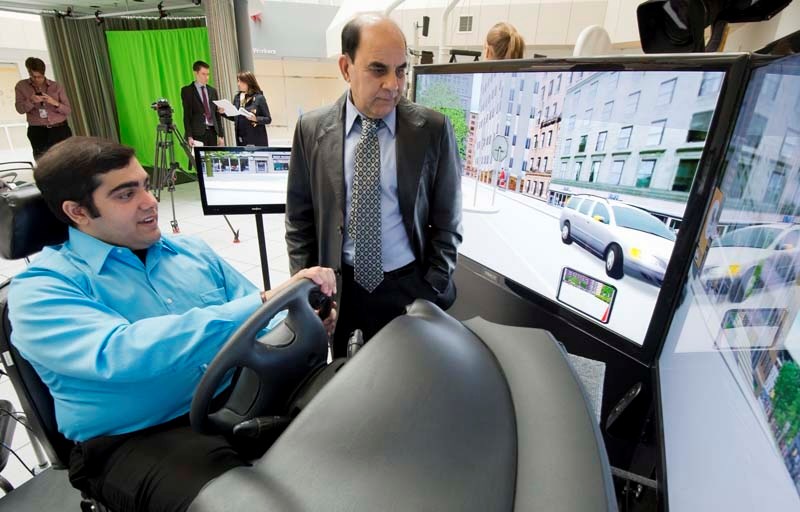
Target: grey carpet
{"x": 591, "y": 374}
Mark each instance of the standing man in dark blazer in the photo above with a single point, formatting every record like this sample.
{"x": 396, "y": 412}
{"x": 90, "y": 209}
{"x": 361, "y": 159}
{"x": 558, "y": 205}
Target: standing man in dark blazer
{"x": 375, "y": 188}
{"x": 201, "y": 119}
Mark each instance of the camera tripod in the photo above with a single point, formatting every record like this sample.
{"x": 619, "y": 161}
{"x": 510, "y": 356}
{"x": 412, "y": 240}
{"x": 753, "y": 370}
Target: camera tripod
{"x": 165, "y": 167}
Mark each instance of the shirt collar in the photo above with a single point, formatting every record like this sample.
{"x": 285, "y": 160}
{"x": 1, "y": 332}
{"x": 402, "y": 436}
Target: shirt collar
{"x": 352, "y": 113}
{"x": 199, "y": 85}
{"x": 95, "y": 252}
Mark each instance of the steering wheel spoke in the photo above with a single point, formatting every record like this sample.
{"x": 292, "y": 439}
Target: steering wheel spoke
{"x": 279, "y": 362}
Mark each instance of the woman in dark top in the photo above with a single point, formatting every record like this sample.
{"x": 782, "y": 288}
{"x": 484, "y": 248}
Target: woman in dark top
{"x": 250, "y": 130}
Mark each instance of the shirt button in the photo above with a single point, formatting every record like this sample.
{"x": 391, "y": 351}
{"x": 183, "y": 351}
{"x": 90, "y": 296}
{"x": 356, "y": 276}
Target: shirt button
{"x": 169, "y": 301}
{"x": 203, "y": 367}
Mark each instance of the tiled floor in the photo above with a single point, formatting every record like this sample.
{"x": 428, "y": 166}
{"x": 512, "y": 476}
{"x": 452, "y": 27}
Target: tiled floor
{"x": 244, "y": 256}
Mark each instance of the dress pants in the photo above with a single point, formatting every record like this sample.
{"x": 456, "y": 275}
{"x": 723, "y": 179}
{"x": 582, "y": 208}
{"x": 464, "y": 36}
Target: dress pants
{"x": 43, "y": 138}
{"x": 157, "y": 469}
{"x": 360, "y": 309}
{"x": 209, "y": 137}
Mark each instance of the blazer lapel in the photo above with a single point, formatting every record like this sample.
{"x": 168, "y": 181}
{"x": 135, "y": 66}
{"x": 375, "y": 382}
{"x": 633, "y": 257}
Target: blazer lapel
{"x": 330, "y": 150}
{"x": 410, "y": 158}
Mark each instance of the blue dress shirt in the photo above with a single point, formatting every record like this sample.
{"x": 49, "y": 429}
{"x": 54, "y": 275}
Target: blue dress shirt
{"x": 122, "y": 345}
{"x": 395, "y": 247}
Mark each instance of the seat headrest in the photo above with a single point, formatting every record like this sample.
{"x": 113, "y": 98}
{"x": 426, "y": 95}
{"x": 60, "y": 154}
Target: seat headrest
{"x": 26, "y": 223}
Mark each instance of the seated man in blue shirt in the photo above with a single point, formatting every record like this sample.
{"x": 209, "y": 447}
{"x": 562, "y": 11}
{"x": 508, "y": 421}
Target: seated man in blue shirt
{"x": 120, "y": 323}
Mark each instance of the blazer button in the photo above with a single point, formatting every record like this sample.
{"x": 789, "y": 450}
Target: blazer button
{"x": 338, "y": 271}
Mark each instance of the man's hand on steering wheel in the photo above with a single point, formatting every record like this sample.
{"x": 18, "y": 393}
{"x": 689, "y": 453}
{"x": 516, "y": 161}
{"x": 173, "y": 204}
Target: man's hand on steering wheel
{"x": 323, "y": 277}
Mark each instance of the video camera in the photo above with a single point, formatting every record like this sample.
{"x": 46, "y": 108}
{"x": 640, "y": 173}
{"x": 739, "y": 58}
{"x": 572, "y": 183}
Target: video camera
{"x": 677, "y": 26}
{"x": 164, "y": 110}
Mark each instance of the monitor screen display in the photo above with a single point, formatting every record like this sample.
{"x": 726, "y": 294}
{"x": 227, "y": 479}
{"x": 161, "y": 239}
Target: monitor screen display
{"x": 730, "y": 369}
{"x": 236, "y": 180}
{"x": 575, "y": 182}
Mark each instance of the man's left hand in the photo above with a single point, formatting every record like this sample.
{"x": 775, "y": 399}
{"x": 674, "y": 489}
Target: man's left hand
{"x": 220, "y": 141}
{"x": 49, "y": 99}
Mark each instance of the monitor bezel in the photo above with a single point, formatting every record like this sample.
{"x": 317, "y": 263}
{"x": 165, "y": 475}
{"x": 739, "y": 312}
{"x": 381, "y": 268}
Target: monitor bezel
{"x": 736, "y": 67}
{"x": 235, "y": 209}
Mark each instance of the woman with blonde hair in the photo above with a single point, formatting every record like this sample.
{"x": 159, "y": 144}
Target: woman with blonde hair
{"x": 503, "y": 42}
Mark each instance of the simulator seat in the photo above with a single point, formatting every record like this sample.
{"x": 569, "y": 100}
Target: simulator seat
{"x": 432, "y": 414}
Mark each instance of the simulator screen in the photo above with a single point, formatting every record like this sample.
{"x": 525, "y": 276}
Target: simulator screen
{"x": 730, "y": 371}
{"x": 246, "y": 179}
{"x": 575, "y": 183}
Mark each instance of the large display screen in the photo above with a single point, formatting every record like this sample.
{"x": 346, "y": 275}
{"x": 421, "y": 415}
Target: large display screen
{"x": 575, "y": 183}
{"x": 730, "y": 371}
{"x": 235, "y": 180}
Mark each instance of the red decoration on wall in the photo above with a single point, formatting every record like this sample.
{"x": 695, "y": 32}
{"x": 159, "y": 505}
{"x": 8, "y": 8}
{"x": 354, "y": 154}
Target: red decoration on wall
{"x": 256, "y": 17}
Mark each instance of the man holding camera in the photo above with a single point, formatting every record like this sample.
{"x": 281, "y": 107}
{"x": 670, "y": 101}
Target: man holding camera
{"x": 45, "y": 105}
{"x": 201, "y": 119}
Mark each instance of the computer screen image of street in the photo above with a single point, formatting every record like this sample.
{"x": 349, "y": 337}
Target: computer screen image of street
{"x": 237, "y": 180}
{"x": 730, "y": 368}
{"x": 589, "y": 171}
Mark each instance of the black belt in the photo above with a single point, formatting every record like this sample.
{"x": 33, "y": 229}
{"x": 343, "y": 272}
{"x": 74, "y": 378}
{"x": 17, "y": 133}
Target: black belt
{"x": 392, "y": 274}
{"x": 57, "y": 125}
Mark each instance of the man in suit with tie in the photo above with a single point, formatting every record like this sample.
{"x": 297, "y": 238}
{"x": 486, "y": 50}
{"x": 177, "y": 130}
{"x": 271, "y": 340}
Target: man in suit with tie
{"x": 201, "y": 119}
{"x": 375, "y": 188}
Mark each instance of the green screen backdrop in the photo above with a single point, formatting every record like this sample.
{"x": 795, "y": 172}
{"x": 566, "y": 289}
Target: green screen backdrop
{"x": 148, "y": 65}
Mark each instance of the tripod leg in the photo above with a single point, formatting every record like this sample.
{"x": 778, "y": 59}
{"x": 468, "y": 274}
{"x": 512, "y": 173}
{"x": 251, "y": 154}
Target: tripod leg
{"x": 173, "y": 166}
{"x": 234, "y": 231}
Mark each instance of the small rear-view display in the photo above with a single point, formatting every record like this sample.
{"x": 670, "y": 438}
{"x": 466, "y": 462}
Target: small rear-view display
{"x": 589, "y": 296}
{"x": 243, "y": 179}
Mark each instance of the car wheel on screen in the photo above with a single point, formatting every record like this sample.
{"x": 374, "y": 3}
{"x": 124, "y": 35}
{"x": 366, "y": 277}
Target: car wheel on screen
{"x": 739, "y": 287}
{"x": 613, "y": 259}
{"x": 566, "y": 236}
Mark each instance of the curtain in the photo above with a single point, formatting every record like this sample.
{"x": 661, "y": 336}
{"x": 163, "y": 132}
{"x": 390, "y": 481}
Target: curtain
{"x": 80, "y": 62}
{"x": 224, "y": 52}
{"x": 148, "y": 65}
{"x": 79, "y": 58}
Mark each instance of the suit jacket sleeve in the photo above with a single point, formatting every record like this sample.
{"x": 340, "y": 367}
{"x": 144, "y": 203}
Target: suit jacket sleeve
{"x": 262, "y": 110}
{"x": 444, "y": 218}
{"x": 186, "y": 101}
{"x": 217, "y": 116}
{"x": 301, "y": 238}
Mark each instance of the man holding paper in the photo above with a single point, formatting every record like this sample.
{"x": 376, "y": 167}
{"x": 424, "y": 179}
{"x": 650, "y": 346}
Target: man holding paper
{"x": 201, "y": 119}
{"x": 249, "y": 111}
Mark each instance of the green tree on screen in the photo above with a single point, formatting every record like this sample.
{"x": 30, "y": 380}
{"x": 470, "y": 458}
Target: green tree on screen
{"x": 787, "y": 399}
{"x": 440, "y": 97}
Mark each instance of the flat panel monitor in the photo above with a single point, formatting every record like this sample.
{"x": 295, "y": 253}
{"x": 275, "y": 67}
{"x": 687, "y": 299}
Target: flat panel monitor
{"x": 730, "y": 369}
{"x": 238, "y": 180}
{"x": 576, "y": 173}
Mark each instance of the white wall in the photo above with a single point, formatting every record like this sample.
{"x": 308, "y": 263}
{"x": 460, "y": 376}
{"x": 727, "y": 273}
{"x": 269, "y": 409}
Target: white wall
{"x": 21, "y": 36}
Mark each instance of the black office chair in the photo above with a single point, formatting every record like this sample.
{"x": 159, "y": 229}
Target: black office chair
{"x": 26, "y": 226}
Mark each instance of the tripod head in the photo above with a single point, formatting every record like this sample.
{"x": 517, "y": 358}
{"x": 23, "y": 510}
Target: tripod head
{"x": 164, "y": 110}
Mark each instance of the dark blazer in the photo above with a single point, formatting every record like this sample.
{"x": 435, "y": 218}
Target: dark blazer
{"x": 428, "y": 189}
{"x": 251, "y": 132}
{"x": 194, "y": 123}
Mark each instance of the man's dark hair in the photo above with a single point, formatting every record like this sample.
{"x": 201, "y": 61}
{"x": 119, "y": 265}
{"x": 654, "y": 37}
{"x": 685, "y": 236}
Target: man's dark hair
{"x": 351, "y": 33}
{"x": 34, "y": 64}
{"x": 69, "y": 171}
{"x": 200, "y": 64}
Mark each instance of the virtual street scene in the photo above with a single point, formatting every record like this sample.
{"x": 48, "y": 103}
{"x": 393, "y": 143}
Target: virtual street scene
{"x": 582, "y": 171}
{"x": 241, "y": 176}
{"x": 744, "y": 284}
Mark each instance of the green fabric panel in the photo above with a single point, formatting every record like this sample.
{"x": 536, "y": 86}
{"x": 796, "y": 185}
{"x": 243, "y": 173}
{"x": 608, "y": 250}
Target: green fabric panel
{"x": 148, "y": 65}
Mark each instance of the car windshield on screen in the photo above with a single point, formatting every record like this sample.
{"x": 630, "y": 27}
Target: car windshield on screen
{"x": 756, "y": 238}
{"x": 641, "y": 221}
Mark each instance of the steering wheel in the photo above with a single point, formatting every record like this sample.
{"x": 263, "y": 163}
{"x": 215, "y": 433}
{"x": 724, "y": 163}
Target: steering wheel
{"x": 278, "y": 363}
